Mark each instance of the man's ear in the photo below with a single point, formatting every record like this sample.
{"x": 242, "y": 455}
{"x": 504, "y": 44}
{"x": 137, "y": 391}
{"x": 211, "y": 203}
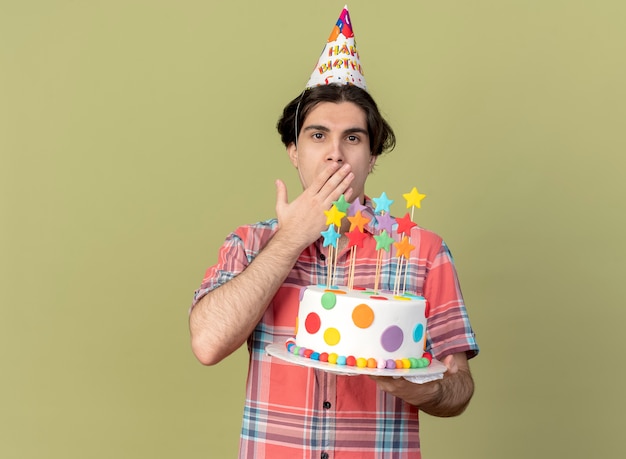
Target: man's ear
{"x": 292, "y": 151}
{"x": 373, "y": 159}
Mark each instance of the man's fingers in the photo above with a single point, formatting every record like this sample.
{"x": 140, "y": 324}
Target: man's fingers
{"x": 320, "y": 181}
{"x": 334, "y": 182}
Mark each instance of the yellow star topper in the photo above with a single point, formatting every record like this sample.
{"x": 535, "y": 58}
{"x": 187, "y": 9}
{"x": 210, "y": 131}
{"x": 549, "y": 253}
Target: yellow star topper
{"x": 414, "y": 198}
{"x": 334, "y": 216}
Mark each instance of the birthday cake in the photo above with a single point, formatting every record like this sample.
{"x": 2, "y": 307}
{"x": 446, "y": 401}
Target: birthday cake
{"x": 364, "y": 327}
{"x": 361, "y": 328}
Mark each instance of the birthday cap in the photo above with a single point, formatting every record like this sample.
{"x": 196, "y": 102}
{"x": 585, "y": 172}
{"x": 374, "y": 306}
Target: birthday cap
{"x": 339, "y": 62}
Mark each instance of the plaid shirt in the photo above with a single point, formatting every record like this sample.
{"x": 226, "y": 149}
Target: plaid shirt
{"x": 297, "y": 412}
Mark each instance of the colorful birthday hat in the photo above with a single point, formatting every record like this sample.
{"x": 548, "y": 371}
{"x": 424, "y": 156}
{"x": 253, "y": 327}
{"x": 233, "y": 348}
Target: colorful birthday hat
{"x": 339, "y": 62}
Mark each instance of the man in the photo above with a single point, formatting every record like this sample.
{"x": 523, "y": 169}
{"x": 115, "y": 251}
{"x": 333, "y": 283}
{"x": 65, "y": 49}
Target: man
{"x": 333, "y": 134}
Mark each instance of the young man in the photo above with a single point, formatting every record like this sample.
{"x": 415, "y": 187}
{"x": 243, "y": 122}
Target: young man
{"x": 333, "y": 134}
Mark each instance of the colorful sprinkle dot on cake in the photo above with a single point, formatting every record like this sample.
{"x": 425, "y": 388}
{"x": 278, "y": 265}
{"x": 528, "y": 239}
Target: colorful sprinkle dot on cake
{"x": 332, "y": 336}
{"x": 392, "y": 338}
{"x": 312, "y": 323}
{"x": 363, "y": 316}
{"x": 418, "y": 333}
{"x": 329, "y": 300}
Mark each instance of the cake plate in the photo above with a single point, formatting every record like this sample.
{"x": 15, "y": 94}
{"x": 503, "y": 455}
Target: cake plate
{"x": 432, "y": 372}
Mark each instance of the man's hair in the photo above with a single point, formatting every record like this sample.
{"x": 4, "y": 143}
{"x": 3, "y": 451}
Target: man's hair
{"x": 380, "y": 133}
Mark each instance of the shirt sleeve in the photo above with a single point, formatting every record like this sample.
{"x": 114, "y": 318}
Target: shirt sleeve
{"x": 231, "y": 261}
{"x": 449, "y": 329}
{"x": 236, "y": 253}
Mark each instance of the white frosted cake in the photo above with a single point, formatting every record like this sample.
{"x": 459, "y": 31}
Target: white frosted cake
{"x": 362, "y": 328}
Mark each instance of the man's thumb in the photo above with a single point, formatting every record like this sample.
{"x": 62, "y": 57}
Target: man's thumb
{"x": 281, "y": 193}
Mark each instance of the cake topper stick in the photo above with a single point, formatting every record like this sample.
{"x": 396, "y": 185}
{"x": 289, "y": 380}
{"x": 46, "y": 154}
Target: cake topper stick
{"x": 352, "y": 267}
{"x": 334, "y": 276}
{"x": 330, "y": 241}
{"x": 403, "y": 251}
{"x": 385, "y": 224}
{"x": 406, "y": 273}
{"x": 404, "y": 228}
{"x": 331, "y": 267}
{"x": 333, "y": 218}
{"x": 356, "y": 236}
{"x": 396, "y": 283}
{"x": 413, "y": 200}
{"x": 355, "y": 239}
{"x": 383, "y": 243}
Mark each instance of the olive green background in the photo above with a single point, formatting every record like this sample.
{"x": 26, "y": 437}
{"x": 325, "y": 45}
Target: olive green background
{"x": 134, "y": 135}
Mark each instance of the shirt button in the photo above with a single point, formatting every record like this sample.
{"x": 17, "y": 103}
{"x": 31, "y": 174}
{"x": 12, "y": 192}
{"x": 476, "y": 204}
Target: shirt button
{"x": 322, "y": 257}
{"x": 324, "y": 455}
{"x": 327, "y": 405}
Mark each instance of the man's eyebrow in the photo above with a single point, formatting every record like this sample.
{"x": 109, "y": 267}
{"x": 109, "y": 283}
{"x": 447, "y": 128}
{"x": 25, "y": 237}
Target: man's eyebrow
{"x": 356, "y": 130}
{"x": 316, "y": 127}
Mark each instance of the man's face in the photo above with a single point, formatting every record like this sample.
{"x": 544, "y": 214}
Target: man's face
{"x": 334, "y": 132}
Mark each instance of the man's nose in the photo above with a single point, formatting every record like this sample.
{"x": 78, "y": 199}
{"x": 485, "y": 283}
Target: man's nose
{"x": 335, "y": 153}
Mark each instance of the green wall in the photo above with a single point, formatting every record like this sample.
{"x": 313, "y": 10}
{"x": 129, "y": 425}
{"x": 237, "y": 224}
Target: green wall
{"x": 135, "y": 134}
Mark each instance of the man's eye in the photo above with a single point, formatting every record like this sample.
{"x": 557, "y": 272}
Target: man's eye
{"x": 353, "y": 138}
{"x": 318, "y": 135}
